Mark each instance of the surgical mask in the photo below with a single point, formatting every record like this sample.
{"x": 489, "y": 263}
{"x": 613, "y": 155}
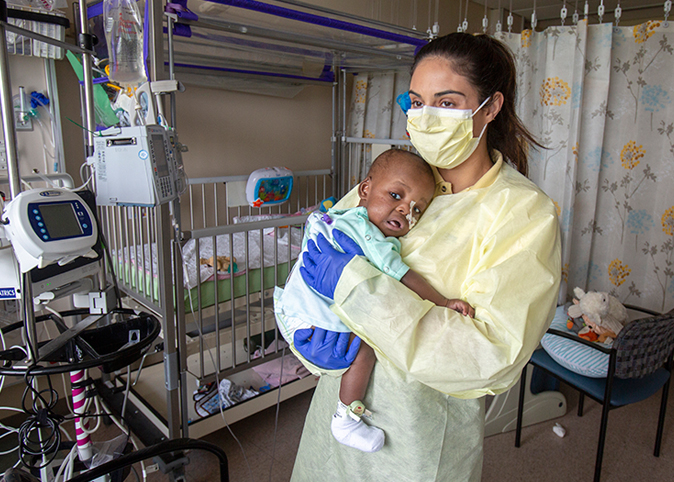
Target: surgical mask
{"x": 443, "y": 137}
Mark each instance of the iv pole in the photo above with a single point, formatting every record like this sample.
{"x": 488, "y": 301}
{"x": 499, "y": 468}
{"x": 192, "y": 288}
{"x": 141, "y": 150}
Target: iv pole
{"x": 14, "y": 177}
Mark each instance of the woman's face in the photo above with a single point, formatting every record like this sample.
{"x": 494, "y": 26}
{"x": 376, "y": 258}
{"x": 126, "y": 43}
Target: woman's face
{"x": 436, "y": 84}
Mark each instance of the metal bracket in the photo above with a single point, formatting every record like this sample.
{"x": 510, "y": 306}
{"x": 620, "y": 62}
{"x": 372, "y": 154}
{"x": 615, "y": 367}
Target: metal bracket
{"x": 171, "y": 370}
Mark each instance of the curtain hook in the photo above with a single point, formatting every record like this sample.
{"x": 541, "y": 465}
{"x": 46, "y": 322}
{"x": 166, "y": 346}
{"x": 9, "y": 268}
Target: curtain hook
{"x": 586, "y": 10}
{"x": 464, "y": 25}
{"x": 485, "y": 20}
{"x": 668, "y": 8}
{"x": 600, "y": 11}
{"x": 510, "y": 17}
{"x": 618, "y": 12}
{"x": 575, "y": 14}
{"x": 459, "y": 29}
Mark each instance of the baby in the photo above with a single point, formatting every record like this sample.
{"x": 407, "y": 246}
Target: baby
{"x": 393, "y": 196}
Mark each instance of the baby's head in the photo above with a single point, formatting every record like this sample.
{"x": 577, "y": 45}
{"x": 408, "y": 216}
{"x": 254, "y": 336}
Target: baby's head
{"x": 397, "y": 191}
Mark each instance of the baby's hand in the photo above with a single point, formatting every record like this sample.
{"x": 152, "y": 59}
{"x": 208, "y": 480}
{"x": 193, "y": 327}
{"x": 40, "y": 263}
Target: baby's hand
{"x": 462, "y": 307}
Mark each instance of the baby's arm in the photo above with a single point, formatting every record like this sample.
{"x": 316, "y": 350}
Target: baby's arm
{"x": 420, "y": 286}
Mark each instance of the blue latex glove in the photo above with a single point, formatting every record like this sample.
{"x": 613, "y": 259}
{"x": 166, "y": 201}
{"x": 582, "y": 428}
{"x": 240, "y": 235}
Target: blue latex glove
{"x": 326, "y": 349}
{"x": 323, "y": 265}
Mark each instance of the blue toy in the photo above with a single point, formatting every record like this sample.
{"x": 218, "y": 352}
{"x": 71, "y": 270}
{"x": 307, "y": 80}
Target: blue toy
{"x": 326, "y": 204}
{"x": 269, "y": 186}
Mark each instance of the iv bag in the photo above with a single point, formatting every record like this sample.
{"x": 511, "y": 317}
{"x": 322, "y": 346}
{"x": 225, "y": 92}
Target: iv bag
{"x": 124, "y": 36}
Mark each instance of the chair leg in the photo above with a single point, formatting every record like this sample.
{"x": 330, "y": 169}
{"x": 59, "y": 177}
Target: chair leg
{"x": 602, "y": 438}
{"x": 661, "y": 418}
{"x": 520, "y": 407}
{"x": 581, "y": 401}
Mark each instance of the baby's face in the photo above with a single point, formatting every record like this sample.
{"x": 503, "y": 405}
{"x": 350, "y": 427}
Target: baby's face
{"x": 392, "y": 194}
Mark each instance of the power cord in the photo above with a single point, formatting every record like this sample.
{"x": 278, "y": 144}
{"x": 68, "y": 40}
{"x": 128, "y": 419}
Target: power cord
{"x": 39, "y": 435}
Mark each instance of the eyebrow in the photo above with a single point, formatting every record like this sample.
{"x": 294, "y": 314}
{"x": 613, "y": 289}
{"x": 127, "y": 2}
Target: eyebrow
{"x": 440, "y": 94}
{"x": 402, "y": 183}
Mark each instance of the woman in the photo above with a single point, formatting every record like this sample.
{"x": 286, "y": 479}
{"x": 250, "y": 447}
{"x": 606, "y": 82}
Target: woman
{"x": 489, "y": 234}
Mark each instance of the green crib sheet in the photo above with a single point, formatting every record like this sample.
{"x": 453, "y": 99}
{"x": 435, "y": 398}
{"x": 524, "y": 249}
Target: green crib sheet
{"x": 133, "y": 278}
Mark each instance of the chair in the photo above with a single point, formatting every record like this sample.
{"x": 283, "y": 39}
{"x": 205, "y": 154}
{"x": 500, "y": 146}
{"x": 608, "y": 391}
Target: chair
{"x": 640, "y": 364}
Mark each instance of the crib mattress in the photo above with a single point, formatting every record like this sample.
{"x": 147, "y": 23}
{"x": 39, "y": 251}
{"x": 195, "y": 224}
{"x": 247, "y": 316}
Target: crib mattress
{"x": 142, "y": 281}
{"x": 255, "y": 284}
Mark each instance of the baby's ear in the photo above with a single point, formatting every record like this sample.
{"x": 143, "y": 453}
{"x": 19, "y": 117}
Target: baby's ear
{"x": 364, "y": 188}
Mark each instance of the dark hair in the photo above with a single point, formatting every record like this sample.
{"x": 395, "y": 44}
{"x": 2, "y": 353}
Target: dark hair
{"x": 384, "y": 160}
{"x": 490, "y": 67}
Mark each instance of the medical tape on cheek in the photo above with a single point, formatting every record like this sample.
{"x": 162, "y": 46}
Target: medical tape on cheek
{"x": 411, "y": 220}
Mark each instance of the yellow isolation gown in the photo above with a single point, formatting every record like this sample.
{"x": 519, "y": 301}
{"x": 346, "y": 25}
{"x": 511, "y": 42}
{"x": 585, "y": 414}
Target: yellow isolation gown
{"x": 495, "y": 245}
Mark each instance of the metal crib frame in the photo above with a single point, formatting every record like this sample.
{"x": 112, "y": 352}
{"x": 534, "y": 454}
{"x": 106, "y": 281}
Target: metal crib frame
{"x": 134, "y": 235}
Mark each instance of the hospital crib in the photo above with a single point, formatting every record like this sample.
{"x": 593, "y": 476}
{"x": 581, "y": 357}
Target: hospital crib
{"x": 219, "y": 315}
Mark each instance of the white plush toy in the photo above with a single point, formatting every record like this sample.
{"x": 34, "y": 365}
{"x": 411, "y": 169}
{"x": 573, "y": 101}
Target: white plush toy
{"x": 603, "y": 313}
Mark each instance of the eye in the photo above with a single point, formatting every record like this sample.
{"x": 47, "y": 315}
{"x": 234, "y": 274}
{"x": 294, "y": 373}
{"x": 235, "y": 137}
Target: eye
{"x": 447, "y": 104}
{"x": 417, "y": 210}
{"x": 416, "y": 104}
{"x": 395, "y": 196}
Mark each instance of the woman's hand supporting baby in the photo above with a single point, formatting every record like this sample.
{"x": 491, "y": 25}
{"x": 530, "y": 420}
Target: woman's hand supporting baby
{"x": 326, "y": 349}
{"x": 323, "y": 264}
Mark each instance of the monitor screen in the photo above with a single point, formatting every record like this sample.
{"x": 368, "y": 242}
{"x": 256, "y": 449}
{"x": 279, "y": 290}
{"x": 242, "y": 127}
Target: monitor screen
{"x": 158, "y": 148}
{"x": 60, "y": 220}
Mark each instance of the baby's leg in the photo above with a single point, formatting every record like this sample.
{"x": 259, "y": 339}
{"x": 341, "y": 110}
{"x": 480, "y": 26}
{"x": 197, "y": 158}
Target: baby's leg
{"x": 354, "y": 382}
{"x": 347, "y": 426}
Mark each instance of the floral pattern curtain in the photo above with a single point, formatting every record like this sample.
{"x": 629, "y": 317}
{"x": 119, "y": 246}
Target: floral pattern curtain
{"x": 600, "y": 99}
{"x": 374, "y": 114}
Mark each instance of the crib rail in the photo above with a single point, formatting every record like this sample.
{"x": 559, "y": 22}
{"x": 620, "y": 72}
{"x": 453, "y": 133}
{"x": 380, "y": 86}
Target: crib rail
{"x": 226, "y": 312}
{"x": 230, "y": 315}
{"x": 358, "y": 155}
{"x": 131, "y": 231}
{"x": 218, "y": 201}
{"x": 131, "y": 235}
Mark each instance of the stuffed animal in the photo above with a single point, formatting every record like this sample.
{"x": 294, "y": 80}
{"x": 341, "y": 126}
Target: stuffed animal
{"x": 222, "y": 262}
{"x": 574, "y": 324}
{"x": 580, "y": 328}
{"x": 602, "y": 313}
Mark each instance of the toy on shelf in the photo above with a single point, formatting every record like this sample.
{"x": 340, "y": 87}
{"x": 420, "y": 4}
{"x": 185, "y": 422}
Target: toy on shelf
{"x": 603, "y": 314}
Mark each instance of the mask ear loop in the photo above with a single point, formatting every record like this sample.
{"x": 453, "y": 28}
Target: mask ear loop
{"x": 481, "y": 106}
{"x": 484, "y": 128}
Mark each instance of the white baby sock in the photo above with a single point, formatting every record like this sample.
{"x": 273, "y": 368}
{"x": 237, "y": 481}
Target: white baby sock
{"x": 348, "y": 428}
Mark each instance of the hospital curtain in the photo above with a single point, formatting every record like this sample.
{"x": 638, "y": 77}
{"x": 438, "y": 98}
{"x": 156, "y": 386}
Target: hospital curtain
{"x": 599, "y": 98}
{"x": 374, "y": 114}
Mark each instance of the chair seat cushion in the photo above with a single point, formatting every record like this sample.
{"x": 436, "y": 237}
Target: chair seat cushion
{"x": 574, "y": 356}
{"x": 625, "y": 391}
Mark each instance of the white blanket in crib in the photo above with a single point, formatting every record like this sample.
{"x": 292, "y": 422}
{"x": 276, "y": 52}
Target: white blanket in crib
{"x": 275, "y": 249}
